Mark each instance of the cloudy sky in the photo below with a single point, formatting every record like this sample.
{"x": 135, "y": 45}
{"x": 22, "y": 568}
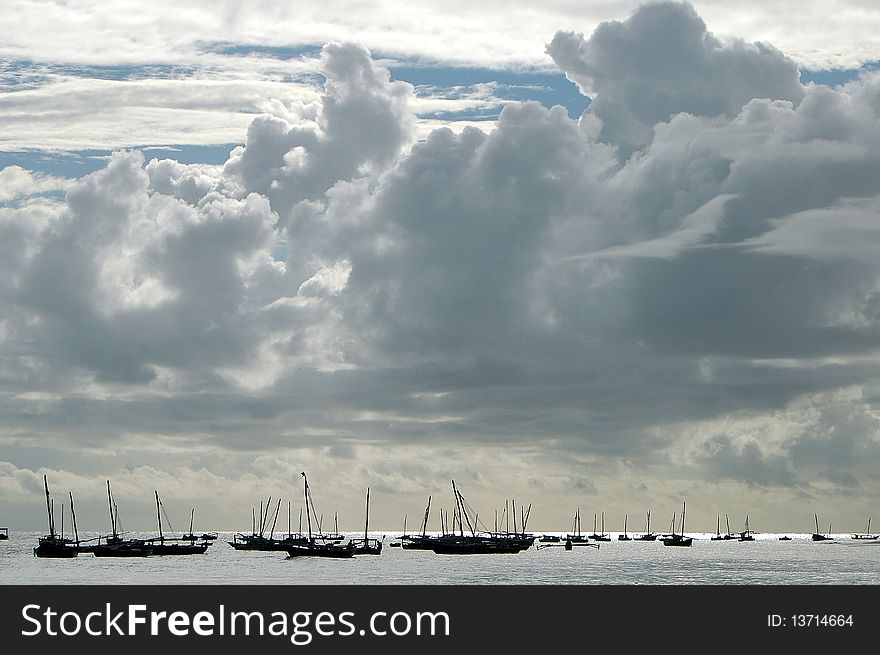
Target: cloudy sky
{"x": 600, "y": 255}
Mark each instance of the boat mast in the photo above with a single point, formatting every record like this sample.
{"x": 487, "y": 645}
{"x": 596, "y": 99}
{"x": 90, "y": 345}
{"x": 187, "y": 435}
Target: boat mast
{"x": 816, "y": 516}
{"x": 110, "y": 505}
{"x": 367, "y": 519}
{"x": 275, "y": 520}
{"x": 62, "y": 522}
{"x": 49, "y": 509}
{"x": 306, "y": 496}
{"x": 159, "y": 517}
{"x": 192, "y": 516}
{"x": 682, "y": 517}
{"x": 73, "y": 514}
{"x": 425, "y": 522}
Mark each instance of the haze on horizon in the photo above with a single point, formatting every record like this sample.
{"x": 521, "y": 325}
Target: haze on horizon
{"x": 227, "y": 261}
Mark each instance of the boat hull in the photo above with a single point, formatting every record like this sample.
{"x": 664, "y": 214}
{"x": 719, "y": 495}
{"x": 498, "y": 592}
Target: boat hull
{"x": 320, "y": 550}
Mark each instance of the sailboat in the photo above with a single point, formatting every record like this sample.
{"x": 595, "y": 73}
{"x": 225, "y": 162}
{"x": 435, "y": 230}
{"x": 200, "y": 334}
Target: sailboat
{"x": 575, "y": 536}
{"x": 4, "y": 534}
{"x": 718, "y": 536}
{"x": 818, "y": 536}
{"x": 257, "y": 540}
{"x": 677, "y": 539}
{"x": 313, "y": 547}
{"x": 624, "y": 536}
{"x": 648, "y": 536}
{"x": 867, "y": 534}
{"x": 55, "y": 545}
{"x": 367, "y": 546}
{"x": 746, "y": 535}
{"x": 173, "y": 547}
{"x": 114, "y": 545}
{"x": 484, "y": 543}
{"x": 419, "y": 541}
{"x": 599, "y": 536}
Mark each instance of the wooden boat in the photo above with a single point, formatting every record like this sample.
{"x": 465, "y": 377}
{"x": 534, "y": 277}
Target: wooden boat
{"x": 479, "y": 543}
{"x": 313, "y": 547}
{"x": 257, "y": 539}
{"x": 677, "y": 539}
{"x": 718, "y": 536}
{"x": 55, "y": 545}
{"x": 624, "y": 536}
{"x": 784, "y": 538}
{"x": 114, "y": 545}
{"x": 818, "y": 536}
{"x": 597, "y": 536}
{"x": 867, "y": 534}
{"x": 4, "y": 534}
{"x": 168, "y": 546}
{"x": 746, "y": 535}
{"x": 367, "y": 546}
{"x": 575, "y": 536}
{"x": 648, "y": 536}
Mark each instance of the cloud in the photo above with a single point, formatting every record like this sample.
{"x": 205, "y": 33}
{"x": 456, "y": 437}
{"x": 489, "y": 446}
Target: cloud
{"x": 662, "y": 61}
{"x": 505, "y": 307}
{"x": 17, "y": 182}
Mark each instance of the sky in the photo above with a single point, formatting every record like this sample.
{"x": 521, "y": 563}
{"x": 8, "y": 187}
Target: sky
{"x": 597, "y": 255}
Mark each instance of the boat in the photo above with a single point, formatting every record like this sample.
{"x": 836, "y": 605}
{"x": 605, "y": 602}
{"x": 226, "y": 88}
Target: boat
{"x": 624, "y": 536}
{"x": 575, "y": 535}
{"x": 746, "y": 535}
{"x": 169, "y": 546}
{"x": 784, "y": 538}
{"x": 191, "y": 536}
{"x": 421, "y": 541}
{"x": 55, "y": 545}
{"x": 313, "y": 547}
{"x": 677, "y": 539}
{"x": 818, "y": 536}
{"x": 367, "y": 545}
{"x": 867, "y": 534}
{"x": 114, "y": 545}
{"x": 648, "y": 535}
{"x": 257, "y": 540}
{"x": 4, "y": 534}
{"x": 483, "y": 543}
{"x": 718, "y": 536}
{"x": 596, "y": 536}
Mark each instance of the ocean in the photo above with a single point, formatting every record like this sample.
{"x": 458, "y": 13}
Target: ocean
{"x": 765, "y": 561}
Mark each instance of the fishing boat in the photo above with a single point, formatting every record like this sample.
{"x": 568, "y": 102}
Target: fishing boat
{"x": 479, "y": 543}
{"x": 818, "y": 536}
{"x": 169, "y": 546}
{"x": 784, "y": 538}
{"x": 674, "y": 539}
{"x": 867, "y": 534}
{"x": 257, "y": 540}
{"x": 191, "y": 536}
{"x": 575, "y": 536}
{"x": 114, "y": 545}
{"x": 718, "y": 536}
{"x": 746, "y": 535}
{"x": 313, "y": 547}
{"x": 624, "y": 536}
{"x": 367, "y": 545}
{"x": 648, "y": 536}
{"x": 599, "y": 536}
{"x": 4, "y": 534}
{"x": 55, "y": 545}
{"x": 420, "y": 541}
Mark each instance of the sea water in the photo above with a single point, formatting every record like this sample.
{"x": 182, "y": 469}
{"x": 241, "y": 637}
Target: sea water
{"x": 765, "y": 561}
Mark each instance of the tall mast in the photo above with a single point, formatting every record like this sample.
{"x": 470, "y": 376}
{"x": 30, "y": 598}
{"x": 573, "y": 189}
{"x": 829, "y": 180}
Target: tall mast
{"x": 110, "y": 504}
{"x": 682, "y": 517}
{"x": 817, "y": 522}
{"x": 253, "y": 522}
{"x": 367, "y": 519}
{"x": 306, "y": 496}
{"x": 49, "y": 508}
{"x": 274, "y": 520}
{"x": 192, "y": 516}
{"x": 62, "y": 522}
{"x": 73, "y": 514}
{"x": 513, "y": 511}
{"x": 288, "y": 519}
{"x": 158, "y": 516}
{"x": 425, "y": 522}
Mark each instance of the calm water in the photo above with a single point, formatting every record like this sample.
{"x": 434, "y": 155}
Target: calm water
{"x": 764, "y": 561}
